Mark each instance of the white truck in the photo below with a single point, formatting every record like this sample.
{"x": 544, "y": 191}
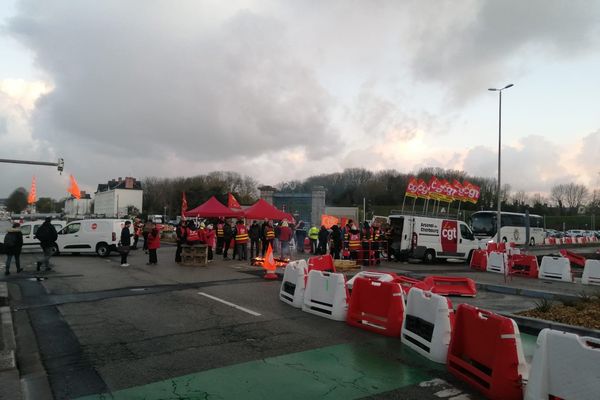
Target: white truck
{"x": 100, "y": 236}
{"x": 430, "y": 238}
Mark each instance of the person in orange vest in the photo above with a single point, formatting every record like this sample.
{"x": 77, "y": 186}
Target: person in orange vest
{"x": 375, "y": 243}
{"x": 137, "y": 232}
{"x": 354, "y": 244}
{"x": 268, "y": 237}
{"x": 220, "y": 236}
{"x": 181, "y": 233}
{"x": 192, "y": 235}
{"x": 241, "y": 240}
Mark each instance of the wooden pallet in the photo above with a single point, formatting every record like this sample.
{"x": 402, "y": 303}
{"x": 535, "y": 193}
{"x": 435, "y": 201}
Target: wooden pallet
{"x": 194, "y": 256}
{"x": 345, "y": 265}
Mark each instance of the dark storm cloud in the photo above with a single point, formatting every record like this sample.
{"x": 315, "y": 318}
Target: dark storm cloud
{"x": 158, "y": 78}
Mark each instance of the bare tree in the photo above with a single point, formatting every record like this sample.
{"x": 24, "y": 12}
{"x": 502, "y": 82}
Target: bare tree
{"x": 575, "y": 195}
{"x": 520, "y": 198}
{"x": 558, "y": 194}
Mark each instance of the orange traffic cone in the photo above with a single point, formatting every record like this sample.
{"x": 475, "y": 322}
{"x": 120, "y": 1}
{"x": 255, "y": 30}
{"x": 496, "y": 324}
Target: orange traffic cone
{"x": 269, "y": 264}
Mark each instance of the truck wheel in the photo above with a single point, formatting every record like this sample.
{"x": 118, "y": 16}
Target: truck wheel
{"x": 429, "y": 257}
{"x": 102, "y": 250}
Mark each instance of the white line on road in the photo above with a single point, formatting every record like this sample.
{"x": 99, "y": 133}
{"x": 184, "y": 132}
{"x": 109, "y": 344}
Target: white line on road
{"x": 230, "y": 304}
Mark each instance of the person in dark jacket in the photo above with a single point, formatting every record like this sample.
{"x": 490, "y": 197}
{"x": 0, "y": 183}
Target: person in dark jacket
{"x": 254, "y": 233}
{"x": 47, "y": 236}
{"x": 336, "y": 242}
{"x": 227, "y": 236}
{"x": 153, "y": 245}
{"x": 125, "y": 243}
{"x": 181, "y": 233}
{"x": 300, "y": 236}
{"x": 13, "y": 242}
{"x": 323, "y": 238}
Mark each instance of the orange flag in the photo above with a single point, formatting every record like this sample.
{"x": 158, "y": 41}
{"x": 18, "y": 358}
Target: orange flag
{"x": 233, "y": 203}
{"x": 32, "y": 193}
{"x": 269, "y": 261}
{"x": 183, "y": 206}
{"x": 74, "y": 188}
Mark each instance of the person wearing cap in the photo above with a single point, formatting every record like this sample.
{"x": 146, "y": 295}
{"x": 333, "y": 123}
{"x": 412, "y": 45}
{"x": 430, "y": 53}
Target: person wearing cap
{"x": 13, "y": 242}
{"x": 47, "y": 236}
{"x": 209, "y": 237}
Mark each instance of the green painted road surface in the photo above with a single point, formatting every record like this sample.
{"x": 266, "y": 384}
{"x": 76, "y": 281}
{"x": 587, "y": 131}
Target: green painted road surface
{"x": 346, "y": 371}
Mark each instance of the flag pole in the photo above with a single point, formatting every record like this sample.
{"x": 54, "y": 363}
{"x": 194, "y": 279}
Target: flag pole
{"x": 403, "y": 201}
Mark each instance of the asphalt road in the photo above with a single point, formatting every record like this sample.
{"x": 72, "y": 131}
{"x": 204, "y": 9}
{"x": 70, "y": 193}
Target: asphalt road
{"x": 161, "y": 332}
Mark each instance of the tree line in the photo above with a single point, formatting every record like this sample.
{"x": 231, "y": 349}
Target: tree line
{"x": 346, "y": 188}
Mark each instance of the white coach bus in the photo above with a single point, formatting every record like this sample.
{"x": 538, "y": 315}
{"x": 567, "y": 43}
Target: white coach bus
{"x": 483, "y": 225}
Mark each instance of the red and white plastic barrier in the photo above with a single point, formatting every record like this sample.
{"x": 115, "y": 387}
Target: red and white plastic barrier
{"x": 485, "y": 351}
{"x": 449, "y": 286}
{"x": 479, "y": 260}
{"x": 376, "y": 306}
{"x": 326, "y": 295}
{"x": 372, "y": 275}
{"x": 591, "y": 273}
{"x": 427, "y": 326}
{"x": 406, "y": 283}
{"x": 574, "y": 258}
{"x": 523, "y": 265}
{"x": 497, "y": 262}
{"x": 564, "y": 366}
{"x": 321, "y": 263}
{"x": 556, "y": 268}
{"x": 294, "y": 283}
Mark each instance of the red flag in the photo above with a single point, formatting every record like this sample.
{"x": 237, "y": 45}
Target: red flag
{"x": 411, "y": 189}
{"x": 232, "y": 202}
{"x": 32, "y": 193}
{"x": 183, "y": 205}
{"x": 473, "y": 192}
{"x": 269, "y": 261}
{"x": 73, "y": 188}
{"x": 436, "y": 189}
{"x": 422, "y": 189}
{"x": 460, "y": 191}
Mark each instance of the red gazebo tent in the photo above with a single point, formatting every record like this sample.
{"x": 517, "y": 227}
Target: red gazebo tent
{"x": 212, "y": 208}
{"x": 261, "y": 209}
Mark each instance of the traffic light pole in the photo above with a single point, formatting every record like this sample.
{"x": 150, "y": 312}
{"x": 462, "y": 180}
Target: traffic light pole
{"x": 59, "y": 165}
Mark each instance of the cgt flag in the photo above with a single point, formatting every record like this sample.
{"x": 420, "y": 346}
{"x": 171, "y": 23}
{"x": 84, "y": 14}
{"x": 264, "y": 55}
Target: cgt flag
{"x": 74, "y": 188}
{"x": 233, "y": 203}
{"x": 32, "y": 193}
{"x": 473, "y": 192}
{"x": 411, "y": 189}
{"x": 184, "y": 205}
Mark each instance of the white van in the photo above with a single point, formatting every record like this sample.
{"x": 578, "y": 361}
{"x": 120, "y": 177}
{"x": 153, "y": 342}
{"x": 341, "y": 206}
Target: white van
{"x": 99, "y": 236}
{"x": 29, "y": 229}
{"x": 428, "y": 238}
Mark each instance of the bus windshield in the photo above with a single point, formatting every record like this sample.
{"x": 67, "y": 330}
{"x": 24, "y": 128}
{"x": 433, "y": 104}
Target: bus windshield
{"x": 484, "y": 224}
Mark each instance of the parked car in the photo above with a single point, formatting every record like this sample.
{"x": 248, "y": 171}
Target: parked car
{"x": 29, "y": 229}
{"x": 575, "y": 233}
{"x": 99, "y": 236}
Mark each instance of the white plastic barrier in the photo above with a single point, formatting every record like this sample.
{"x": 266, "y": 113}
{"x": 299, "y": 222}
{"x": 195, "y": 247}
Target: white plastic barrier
{"x": 497, "y": 262}
{"x": 556, "y": 268}
{"x": 591, "y": 273}
{"x": 294, "y": 283}
{"x": 373, "y": 275}
{"x": 566, "y": 366}
{"x": 427, "y": 326}
{"x": 326, "y": 295}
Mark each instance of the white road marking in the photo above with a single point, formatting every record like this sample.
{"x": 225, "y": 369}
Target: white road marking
{"x": 230, "y": 304}
{"x": 463, "y": 396}
{"x": 447, "y": 392}
{"x": 433, "y": 382}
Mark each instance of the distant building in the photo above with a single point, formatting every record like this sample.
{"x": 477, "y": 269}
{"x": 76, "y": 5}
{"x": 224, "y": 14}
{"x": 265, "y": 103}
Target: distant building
{"x": 304, "y": 206}
{"x": 115, "y": 197}
{"x": 78, "y": 207}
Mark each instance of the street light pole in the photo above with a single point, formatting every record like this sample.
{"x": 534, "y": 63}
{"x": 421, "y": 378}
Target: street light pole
{"x": 499, "y": 213}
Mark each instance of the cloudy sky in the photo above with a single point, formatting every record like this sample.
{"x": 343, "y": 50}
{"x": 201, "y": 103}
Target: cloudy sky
{"x": 282, "y": 90}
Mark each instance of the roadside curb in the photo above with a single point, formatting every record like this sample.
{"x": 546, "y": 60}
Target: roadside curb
{"x": 10, "y": 386}
{"x": 536, "y": 325}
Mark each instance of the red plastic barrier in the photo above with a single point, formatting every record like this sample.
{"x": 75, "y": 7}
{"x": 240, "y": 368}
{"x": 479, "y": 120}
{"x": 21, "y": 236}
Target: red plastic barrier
{"x": 492, "y": 246}
{"x": 449, "y": 286}
{"x": 568, "y": 240}
{"x": 321, "y": 263}
{"x": 479, "y": 260}
{"x": 523, "y": 265}
{"x": 406, "y": 283}
{"x": 484, "y": 353}
{"x": 376, "y": 306}
{"x": 501, "y": 247}
{"x": 573, "y": 257}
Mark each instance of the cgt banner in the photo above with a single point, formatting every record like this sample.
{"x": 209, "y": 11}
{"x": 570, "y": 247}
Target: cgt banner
{"x": 449, "y": 236}
{"x": 442, "y": 190}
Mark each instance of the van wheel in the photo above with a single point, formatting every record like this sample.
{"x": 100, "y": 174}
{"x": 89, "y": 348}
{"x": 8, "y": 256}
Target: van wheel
{"x": 429, "y": 257}
{"x": 532, "y": 242}
{"x": 102, "y": 249}
{"x": 54, "y": 249}
{"x": 470, "y": 256}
